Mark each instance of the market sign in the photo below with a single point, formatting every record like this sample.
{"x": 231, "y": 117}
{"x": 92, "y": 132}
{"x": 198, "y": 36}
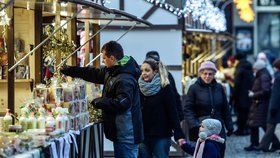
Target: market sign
{"x": 268, "y": 2}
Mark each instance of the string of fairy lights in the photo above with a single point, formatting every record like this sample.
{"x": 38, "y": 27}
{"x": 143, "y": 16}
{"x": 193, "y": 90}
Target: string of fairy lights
{"x": 202, "y": 10}
{"x": 207, "y": 13}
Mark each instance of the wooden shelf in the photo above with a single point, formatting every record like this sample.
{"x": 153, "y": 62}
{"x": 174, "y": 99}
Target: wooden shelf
{"x": 17, "y": 80}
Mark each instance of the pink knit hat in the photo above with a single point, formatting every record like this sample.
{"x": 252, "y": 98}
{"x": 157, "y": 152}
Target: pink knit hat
{"x": 207, "y": 65}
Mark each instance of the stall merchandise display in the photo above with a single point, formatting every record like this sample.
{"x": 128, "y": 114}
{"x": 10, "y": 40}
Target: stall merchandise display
{"x": 54, "y": 112}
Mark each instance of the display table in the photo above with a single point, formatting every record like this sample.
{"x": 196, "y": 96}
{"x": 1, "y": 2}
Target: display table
{"x": 87, "y": 142}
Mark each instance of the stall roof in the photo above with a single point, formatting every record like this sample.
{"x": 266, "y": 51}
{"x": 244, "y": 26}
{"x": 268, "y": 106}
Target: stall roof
{"x": 91, "y": 11}
{"x": 101, "y": 15}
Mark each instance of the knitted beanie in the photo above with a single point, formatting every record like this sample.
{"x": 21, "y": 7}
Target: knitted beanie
{"x": 211, "y": 126}
{"x": 259, "y": 64}
{"x": 261, "y": 56}
{"x": 207, "y": 65}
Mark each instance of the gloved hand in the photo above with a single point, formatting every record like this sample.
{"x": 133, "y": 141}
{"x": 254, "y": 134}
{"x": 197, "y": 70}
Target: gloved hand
{"x": 229, "y": 132}
{"x": 181, "y": 141}
{"x": 96, "y": 103}
{"x": 251, "y": 94}
{"x": 64, "y": 69}
{"x": 273, "y": 112}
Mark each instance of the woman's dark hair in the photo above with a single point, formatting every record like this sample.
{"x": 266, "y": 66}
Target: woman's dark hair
{"x": 152, "y": 63}
{"x": 113, "y": 48}
{"x": 276, "y": 64}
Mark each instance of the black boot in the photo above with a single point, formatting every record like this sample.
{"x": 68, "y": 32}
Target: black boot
{"x": 251, "y": 148}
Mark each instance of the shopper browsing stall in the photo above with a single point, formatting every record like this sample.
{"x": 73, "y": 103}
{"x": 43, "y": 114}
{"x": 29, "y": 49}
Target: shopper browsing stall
{"x": 160, "y": 118}
{"x": 120, "y": 102}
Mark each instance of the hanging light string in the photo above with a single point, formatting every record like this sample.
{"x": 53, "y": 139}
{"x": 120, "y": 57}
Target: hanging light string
{"x": 203, "y": 11}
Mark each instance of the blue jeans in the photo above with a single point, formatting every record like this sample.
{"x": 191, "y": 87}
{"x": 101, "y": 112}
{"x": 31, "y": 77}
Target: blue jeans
{"x": 125, "y": 150}
{"x": 155, "y": 148}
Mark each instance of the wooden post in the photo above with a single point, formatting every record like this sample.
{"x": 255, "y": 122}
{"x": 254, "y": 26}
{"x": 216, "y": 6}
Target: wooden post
{"x": 38, "y": 38}
{"x": 57, "y": 25}
{"x": 10, "y": 49}
{"x": 87, "y": 46}
{"x": 72, "y": 34}
{"x": 96, "y": 45}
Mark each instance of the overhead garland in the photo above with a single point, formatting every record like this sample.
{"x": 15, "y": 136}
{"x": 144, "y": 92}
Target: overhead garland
{"x": 202, "y": 10}
{"x": 246, "y": 12}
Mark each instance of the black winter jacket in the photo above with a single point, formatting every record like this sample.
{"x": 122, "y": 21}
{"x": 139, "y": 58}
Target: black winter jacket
{"x": 243, "y": 82}
{"x": 160, "y": 117}
{"x": 207, "y": 100}
{"x": 120, "y": 101}
{"x": 274, "y": 105}
{"x": 177, "y": 97}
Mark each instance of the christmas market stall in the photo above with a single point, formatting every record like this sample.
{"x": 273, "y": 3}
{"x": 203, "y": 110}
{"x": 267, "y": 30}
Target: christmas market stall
{"x": 48, "y": 114}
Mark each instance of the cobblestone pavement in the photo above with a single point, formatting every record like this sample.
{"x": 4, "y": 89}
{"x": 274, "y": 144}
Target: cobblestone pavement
{"x": 235, "y": 145}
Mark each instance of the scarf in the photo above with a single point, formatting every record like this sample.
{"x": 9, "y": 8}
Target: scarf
{"x": 199, "y": 147}
{"x": 150, "y": 88}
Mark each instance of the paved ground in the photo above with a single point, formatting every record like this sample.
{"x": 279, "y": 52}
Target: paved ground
{"x": 236, "y": 144}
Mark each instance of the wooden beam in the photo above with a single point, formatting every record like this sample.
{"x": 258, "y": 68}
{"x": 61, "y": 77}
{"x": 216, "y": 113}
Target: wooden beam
{"x": 38, "y": 38}
{"x": 10, "y": 49}
{"x": 87, "y": 46}
{"x": 72, "y": 33}
{"x": 149, "y": 12}
{"x": 96, "y": 45}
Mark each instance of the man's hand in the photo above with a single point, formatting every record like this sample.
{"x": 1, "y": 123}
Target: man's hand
{"x": 97, "y": 103}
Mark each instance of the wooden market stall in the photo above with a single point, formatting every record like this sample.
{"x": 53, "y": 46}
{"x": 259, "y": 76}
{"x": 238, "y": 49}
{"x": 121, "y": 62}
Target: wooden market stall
{"x": 40, "y": 36}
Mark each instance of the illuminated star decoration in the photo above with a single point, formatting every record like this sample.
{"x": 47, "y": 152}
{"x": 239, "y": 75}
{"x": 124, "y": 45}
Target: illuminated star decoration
{"x": 246, "y": 12}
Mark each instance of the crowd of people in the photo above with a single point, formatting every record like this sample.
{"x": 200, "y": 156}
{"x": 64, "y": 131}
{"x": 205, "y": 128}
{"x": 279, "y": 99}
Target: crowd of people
{"x": 142, "y": 110}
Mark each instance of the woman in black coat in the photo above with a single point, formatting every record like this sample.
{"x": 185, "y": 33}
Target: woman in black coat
{"x": 260, "y": 95}
{"x": 160, "y": 117}
{"x": 206, "y": 99}
{"x": 273, "y": 114}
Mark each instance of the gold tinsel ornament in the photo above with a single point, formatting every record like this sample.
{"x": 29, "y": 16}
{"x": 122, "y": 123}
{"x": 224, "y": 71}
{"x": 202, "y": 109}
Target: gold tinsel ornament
{"x": 58, "y": 45}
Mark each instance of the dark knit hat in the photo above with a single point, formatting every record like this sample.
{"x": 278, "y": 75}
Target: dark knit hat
{"x": 154, "y": 55}
{"x": 276, "y": 64}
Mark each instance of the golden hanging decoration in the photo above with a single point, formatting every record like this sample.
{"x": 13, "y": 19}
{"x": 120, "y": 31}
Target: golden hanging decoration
{"x": 58, "y": 45}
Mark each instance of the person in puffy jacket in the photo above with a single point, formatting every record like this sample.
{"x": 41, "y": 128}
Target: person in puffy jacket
{"x": 120, "y": 101}
{"x": 209, "y": 144}
{"x": 260, "y": 95}
{"x": 273, "y": 114}
{"x": 160, "y": 117}
{"x": 207, "y": 99}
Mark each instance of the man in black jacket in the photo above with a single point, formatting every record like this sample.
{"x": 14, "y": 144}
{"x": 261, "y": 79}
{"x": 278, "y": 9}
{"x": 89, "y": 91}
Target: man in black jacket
{"x": 120, "y": 101}
{"x": 243, "y": 82}
{"x": 155, "y": 55}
